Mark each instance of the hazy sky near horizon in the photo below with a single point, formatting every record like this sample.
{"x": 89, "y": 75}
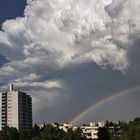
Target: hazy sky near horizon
{"x": 70, "y": 53}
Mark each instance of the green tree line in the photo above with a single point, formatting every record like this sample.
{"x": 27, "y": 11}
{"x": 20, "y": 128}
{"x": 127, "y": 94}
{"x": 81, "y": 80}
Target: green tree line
{"x": 48, "y": 132}
{"x": 111, "y": 131}
{"x": 125, "y": 131}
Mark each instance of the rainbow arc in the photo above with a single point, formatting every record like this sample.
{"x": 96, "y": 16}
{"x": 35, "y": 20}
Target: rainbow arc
{"x": 97, "y": 104}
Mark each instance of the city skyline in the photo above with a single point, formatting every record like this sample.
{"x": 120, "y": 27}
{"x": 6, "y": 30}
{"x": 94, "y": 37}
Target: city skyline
{"x": 72, "y": 57}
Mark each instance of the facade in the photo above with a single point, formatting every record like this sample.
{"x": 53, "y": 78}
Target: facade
{"x": 3, "y": 109}
{"x": 90, "y": 131}
{"x": 16, "y": 109}
{"x": 66, "y": 126}
{"x": 114, "y": 131}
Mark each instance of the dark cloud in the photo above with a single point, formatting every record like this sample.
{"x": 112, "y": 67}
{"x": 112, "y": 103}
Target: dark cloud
{"x": 114, "y": 8}
{"x": 3, "y": 60}
{"x": 134, "y": 57}
{"x": 83, "y": 85}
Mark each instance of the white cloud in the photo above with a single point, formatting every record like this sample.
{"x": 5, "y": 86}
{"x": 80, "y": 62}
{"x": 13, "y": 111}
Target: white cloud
{"x": 58, "y": 33}
{"x": 54, "y": 34}
{"x": 50, "y": 84}
{"x": 54, "y": 84}
{"x": 31, "y": 77}
{"x": 6, "y": 71}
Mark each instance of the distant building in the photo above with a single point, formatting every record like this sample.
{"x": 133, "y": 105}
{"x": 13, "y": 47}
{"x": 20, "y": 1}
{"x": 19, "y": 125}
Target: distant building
{"x": 90, "y": 131}
{"x": 66, "y": 126}
{"x": 114, "y": 131}
{"x": 15, "y": 109}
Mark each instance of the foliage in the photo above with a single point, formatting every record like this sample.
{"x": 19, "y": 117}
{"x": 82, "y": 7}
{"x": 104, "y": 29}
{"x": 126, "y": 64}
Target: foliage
{"x": 51, "y": 133}
{"x": 9, "y": 134}
{"x": 103, "y": 134}
{"x": 111, "y": 131}
{"x": 48, "y": 132}
{"x": 129, "y": 131}
{"x": 25, "y": 134}
{"x": 74, "y": 135}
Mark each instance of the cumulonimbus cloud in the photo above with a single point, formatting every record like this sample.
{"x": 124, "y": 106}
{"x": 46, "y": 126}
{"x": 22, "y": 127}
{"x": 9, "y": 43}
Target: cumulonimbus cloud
{"x": 53, "y": 34}
{"x": 59, "y": 33}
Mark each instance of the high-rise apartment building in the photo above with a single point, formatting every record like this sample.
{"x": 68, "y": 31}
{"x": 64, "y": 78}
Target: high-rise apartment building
{"x": 15, "y": 109}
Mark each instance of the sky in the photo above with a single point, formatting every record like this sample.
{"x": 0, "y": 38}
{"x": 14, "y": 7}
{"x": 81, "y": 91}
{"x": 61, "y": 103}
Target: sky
{"x": 68, "y": 54}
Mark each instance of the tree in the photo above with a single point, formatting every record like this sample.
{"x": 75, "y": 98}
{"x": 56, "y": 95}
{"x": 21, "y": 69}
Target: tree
{"x": 9, "y": 133}
{"x": 51, "y": 133}
{"x": 36, "y": 131}
{"x": 103, "y": 134}
{"x": 5, "y": 133}
{"x": 14, "y": 135}
{"x": 131, "y": 131}
{"x": 25, "y": 134}
{"x": 74, "y": 135}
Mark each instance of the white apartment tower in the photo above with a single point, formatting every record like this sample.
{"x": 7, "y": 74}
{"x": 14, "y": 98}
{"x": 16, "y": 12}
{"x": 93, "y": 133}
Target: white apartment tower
{"x": 15, "y": 109}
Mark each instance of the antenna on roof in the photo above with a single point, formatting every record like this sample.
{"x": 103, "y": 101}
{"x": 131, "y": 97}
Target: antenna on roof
{"x": 11, "y": 87}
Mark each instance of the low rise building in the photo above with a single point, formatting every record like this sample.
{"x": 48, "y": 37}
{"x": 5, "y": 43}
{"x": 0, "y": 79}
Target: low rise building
{"x": 90, "y": 130}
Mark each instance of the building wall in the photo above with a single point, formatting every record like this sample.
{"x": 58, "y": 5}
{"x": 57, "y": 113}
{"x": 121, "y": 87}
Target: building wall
{"x": 90, "y": 131}
{"x": 4, "y": 109}
{"x": 15, "y": 109}
{"x": 0, "y": 111}
{"x": 25, "y": 110}
{"x": 12, "y": 109}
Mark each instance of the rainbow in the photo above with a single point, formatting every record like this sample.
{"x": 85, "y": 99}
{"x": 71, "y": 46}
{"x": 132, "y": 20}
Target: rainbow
{"x": 101, "y": 102}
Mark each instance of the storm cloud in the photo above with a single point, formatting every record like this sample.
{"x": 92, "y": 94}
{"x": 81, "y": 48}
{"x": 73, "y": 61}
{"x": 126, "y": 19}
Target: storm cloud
{"x": 56, "y": 40}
